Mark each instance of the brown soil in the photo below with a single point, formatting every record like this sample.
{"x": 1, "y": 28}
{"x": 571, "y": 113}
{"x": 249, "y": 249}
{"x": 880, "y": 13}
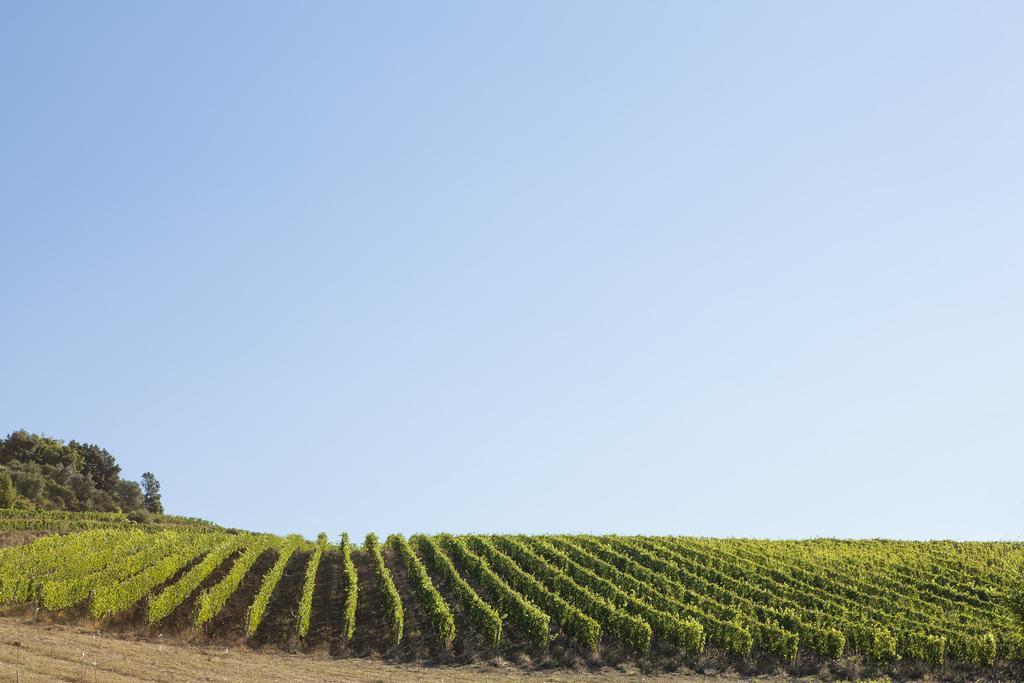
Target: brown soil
{"x": 180, "y": 621}
{"x": 371, "y": 637}
{"x": 469, "y": 645}
{"x": 278, "y": 625}
{"x": 420, "y": 643}
{"x": 229, "y": 624}
{"x": 325, "y": 618}
{"x": 9, "y": 538}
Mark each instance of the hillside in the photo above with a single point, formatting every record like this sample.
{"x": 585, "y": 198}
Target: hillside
{"x": 835, "y": 609}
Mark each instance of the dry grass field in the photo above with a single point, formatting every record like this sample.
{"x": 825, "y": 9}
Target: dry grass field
{"x": 34, "y": 652}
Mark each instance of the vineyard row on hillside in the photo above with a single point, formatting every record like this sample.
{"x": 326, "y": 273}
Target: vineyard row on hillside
{"x": 935, "y": 603}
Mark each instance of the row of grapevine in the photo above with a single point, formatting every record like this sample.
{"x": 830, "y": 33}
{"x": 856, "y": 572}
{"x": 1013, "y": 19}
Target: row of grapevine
{"x": 628, "y": 628}
{"x": 167, "y": 600}
{"x": 767, "y": 636}
{"x": 441, "y": 618}
{"x": 53, "y": 558}
{"x": 258, "y": 608}
{"x": 934, "y": 603}
{"x": 350, "y": 589}
{"x": 306, "y": 601}
{"x": 212, "y": 600}
{"x": 125, "y": 558}
{"x": 818, "y": 634}
{"x": 482, "y": 616}
{"x": 120, "y": 596}
{"x": 658, "y": 592}
{"x": 389, "y": 594}
{"x": 63, "y": 521}
{"x": 684, "y": 633}
{"x": 66, "y": 515}
{"x": 735, "y": 582}
{"x": 519, "y": 610}
{"x": 810, "y": 616}
{"x": 570, "y": 619}
{"x": 884, "y": 636}
{"x": 92, "y": 559}
{"x": 729, "y": 635}
{"x": 777, "y": 632}
{"x": 843, "y": 589}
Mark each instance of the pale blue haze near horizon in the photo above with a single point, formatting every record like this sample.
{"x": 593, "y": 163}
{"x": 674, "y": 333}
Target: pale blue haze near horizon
{"x": 746, "y": 268}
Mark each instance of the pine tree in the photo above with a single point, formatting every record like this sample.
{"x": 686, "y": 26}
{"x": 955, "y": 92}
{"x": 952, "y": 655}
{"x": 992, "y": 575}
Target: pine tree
{"x": 151, "y": 493}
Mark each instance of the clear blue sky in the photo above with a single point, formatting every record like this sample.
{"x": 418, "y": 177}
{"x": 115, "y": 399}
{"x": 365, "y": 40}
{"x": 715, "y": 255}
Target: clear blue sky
{"x": 739, "y": 268}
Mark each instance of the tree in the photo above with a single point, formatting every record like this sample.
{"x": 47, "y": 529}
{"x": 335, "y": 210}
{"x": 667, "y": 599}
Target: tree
{"x": 8, "y": 494}
{"x": 29, "y": 480}
{"x": 151, "y": 493}
{"x": 128, "y": 495}
{"x": 52, "y": 475}
{"x": 98, "y": 464}
{"x": 25, "y": 447}
{"x": 17, "y": 446}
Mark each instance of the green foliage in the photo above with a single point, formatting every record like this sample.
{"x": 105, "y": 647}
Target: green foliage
{"x": 735, "y": 631}
{"x": 53, "y": 558}
{"x": 433, "y": 604}
{"x": 629, "y": 629}
{"x": 823, "y": 641}
{"x": 571, "y": 619}
{"x": 686, "y": 634}
{"x": 8, "y": 494}
{"x": 518, "y": 609}
{"x": 482, "y": 616}
{"x": 651, "y": 597}
{"x": 61, "y": 521}
{"x": 24, "y": 447}
{"x": 175, "y": 594}
{"x": 212, "y": 600}
{"x": 933, "y": 603}
{"x": 923, "y": 646}
{"x": 975, "y": 650}
{"x": 98, "y": 464}
{"x": 46, "y": 473}
{"x": 306, "y": 601}
{"x": 119, "y": 595}
{"x": 1015, "y": 598}
{"x": 258, "y": 608}
{"x": 389, "y": 594}
{"x": 350, "y": 589}
{"x": 151, "y": 494}
{"x": 128, "y": 496}
{"x": 118, "y": 557}
{"x": 776, "y": 640}
{"x": 123, "y": 555}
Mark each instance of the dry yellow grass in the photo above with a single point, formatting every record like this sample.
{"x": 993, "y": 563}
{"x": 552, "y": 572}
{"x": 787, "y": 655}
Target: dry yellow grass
{"x": 33, "y": 652}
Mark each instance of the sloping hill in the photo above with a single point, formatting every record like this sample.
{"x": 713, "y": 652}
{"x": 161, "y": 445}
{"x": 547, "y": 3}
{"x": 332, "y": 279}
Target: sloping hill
{"x": 661, "y": 604}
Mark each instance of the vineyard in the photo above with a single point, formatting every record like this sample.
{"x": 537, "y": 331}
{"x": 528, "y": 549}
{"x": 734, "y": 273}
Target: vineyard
{"x": 62, "y": 521}
{"x": 660, "y": 602}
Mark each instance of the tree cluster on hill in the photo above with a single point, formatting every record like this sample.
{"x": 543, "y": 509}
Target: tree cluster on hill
{"x": 44, "y": 473}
